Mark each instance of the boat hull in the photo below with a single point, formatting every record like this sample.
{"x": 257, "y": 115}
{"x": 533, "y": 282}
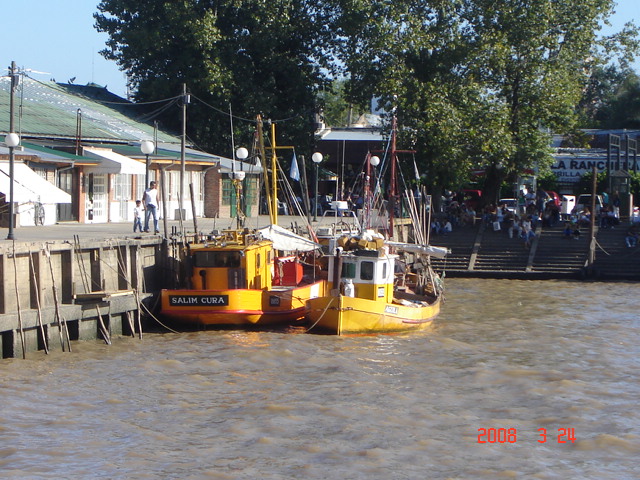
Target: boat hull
{"x": 239, "y": 307}
{"x": 342, "y": 315}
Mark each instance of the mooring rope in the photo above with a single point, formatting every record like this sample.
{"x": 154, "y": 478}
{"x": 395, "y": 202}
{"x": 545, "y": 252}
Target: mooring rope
{"x": 322, "y": 315}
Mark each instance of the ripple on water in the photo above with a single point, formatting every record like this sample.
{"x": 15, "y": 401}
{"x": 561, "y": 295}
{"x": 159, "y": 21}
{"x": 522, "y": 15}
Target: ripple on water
{"x": 244, "y": 405}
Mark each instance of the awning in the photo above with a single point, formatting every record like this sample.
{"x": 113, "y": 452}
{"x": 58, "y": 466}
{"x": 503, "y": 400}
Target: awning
{"x": 28, "y": 186}
{"x": 112, "y": 162}
{"x": 286, "y": 240}
{"x": 43, "y": 154}
{"x": 227, "y": 166}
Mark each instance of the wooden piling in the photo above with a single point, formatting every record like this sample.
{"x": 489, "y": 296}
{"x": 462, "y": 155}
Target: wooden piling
{"x": 20, "y": 327}
{"x": 45, "y": 343}
{"x": 63, "y": 329}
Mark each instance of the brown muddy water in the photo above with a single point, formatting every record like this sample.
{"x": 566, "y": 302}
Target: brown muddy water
{"x": 505, "y": 363}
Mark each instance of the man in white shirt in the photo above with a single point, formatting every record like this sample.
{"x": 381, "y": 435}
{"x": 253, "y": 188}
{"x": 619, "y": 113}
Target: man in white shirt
{"x": 150, "y": 200}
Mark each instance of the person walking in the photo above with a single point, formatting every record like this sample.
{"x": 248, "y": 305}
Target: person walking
{"x": 150, "y": 200}
{"x": 138, "y": 212}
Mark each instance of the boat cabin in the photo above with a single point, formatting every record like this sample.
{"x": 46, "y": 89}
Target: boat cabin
{"x": 233, "y": 261}
{"x": 366, "y": 274}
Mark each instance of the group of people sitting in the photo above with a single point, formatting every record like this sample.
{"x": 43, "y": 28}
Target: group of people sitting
{"x": 502, "y": 218}
{"x": 441, "y": 227}
{"x": 518, "y": 226}
{"x": 460, "y": 214}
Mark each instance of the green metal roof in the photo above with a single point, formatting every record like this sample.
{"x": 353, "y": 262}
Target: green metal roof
{"x": 133, "y": 151}
{"x": 50, "y": 110}
{"x": 51, "y": 153}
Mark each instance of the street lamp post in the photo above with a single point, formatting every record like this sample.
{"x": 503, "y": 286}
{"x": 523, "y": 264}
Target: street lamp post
{"x": 238, "y": 177}
{"x": 241, "y": 154}
{"x": 12, "y": 140}
{"x": 317, "y": 158}
{"x": 147, "y": 147}
{"x": 374, "y": 161}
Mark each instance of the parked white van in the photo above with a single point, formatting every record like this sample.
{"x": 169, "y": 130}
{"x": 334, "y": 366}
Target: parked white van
{"x": 584, "y": 200}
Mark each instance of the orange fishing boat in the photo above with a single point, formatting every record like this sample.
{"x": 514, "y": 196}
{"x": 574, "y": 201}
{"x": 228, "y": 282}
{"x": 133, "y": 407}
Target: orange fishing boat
{"x": 236, "y": 279}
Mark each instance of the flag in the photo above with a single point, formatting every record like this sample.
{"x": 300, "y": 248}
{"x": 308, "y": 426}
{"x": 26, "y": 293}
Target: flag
{"x": 415, "y": 170}
{"x": 294, "y": 173}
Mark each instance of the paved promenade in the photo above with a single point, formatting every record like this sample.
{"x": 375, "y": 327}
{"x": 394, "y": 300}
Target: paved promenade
{"x": 96, "y": 231}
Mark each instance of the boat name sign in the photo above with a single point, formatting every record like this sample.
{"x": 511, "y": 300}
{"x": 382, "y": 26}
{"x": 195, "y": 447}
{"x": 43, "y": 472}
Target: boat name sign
{"x": 199, "y": 300}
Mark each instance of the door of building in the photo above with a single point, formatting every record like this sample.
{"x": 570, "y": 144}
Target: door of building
{"x": 96, "y": 207}
{"x": 68, "y": 212}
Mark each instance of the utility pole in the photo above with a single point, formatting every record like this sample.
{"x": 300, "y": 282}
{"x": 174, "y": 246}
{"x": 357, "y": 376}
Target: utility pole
{"x": 12, "y": 142}
{"x": 183, "y": 142}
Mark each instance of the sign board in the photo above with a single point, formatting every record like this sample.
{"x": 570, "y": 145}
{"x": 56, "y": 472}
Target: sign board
{"x": 570, "y": 166}
{"x": 198, "y": 300}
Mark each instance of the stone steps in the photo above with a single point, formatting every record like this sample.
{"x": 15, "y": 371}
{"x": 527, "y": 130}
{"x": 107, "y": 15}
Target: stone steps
{"x": 557, "y": 254}
{"x": 460, "y": 242}
{"x": 551, "y": 255}
{"x": 613, "y": 258}
{"x": 498, "y": 252}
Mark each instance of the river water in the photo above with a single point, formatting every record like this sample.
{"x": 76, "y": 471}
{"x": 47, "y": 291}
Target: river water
{"x": 509, "y": 357}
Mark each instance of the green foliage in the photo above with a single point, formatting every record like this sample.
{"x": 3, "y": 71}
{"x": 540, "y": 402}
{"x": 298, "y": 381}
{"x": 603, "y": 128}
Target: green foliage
{"x": 623, "y": 108}
{"x": 634, "y": 186}
{"x": 336, "y": 111}
{"x": 479, "y": 84}
{"x": 585, "y": 184}
{"x": 547, "y": 180}
{"x": 255, "y": 57}
{"x": 476, "y": 84}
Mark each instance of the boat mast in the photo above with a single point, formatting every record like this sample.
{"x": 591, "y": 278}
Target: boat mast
{"x": 392, "y": 187}
{"x": 274, "y": 177}
{"x": 367, "y": 194}
{"x": 393, "y": 192}
{"x": 263, "y": 156}
{"x": 273, "y": 211}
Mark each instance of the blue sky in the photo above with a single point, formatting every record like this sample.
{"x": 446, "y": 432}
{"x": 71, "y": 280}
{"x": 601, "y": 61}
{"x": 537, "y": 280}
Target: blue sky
{"x": 58, "y": 37}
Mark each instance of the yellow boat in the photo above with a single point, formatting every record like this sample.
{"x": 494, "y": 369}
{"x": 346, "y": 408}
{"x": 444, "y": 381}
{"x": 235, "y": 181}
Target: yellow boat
{"x": 237, "y": 280}
{"x": 371, "y": 290}
{"x": 369, "y": 294}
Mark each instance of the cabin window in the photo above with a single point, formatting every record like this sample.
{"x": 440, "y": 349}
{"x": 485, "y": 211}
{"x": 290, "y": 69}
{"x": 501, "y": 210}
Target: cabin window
{"x": 217, "y": 259}
{"x": 258, "y": 260}
{"x": 384, "y": 271}
{"x": 366, "y": 271}
{"x": 348, "y": 270}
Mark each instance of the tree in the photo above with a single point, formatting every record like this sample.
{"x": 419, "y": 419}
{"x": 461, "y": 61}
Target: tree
{"x": 598, "y": 95}
{"x": 609, "y": 76}
{"x": 532, "y": 53}
{"x": 255, "y": 57}
{"x": 336, "y": 111}
{"x": 623, "y": 107}
{"x": 476, "y": 84}
{"x": 483, "y": 81}
{"x": 412, "y": 56}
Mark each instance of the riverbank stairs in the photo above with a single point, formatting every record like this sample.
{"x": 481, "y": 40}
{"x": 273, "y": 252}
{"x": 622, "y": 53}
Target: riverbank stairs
{"x": 479, "y": 251}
